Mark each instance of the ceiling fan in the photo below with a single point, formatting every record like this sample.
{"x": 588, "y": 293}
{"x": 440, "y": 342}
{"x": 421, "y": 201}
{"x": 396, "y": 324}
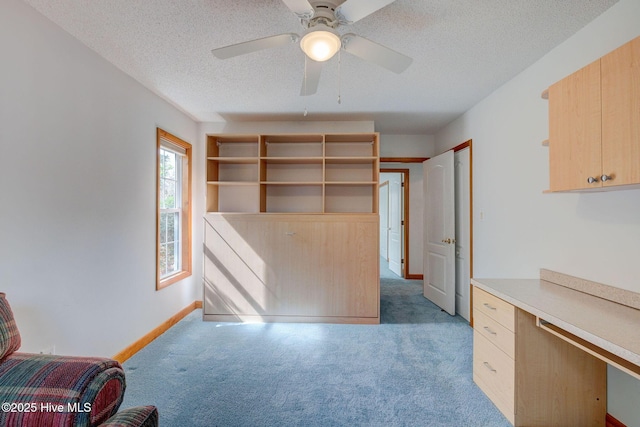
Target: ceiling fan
{"x": 321, "y": 40}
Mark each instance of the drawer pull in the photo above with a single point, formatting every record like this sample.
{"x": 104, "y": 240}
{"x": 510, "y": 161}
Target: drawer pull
{"x": 489, "y": 367}
{"x": 489, "y": 306}
{"x": 488, "y": 329}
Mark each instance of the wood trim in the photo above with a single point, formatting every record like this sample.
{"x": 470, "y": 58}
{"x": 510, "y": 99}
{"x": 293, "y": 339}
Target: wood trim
{"x": 128, "y": 352}
{"x": 415, "y": 277}
{"x": 403, "y": 159}
{"x": 405, "y": 230}
{"x": 186, "y": 243}
{"x": 462, "y": 146}
{"x": 612, "y": 422}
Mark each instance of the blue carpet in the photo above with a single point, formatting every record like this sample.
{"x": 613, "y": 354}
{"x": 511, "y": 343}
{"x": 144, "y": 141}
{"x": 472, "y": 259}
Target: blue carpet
{"x": 414, "y": 369}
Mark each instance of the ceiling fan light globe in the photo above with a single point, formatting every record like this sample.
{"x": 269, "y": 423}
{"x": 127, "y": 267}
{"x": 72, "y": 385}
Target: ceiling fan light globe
{"x": 320, "y": 45}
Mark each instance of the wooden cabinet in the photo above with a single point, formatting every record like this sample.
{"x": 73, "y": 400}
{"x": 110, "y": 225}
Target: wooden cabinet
{"x": 594, "y": 124}
{"x": 287, "y": 267}
{"x": 291, "y": 232}
{"x": 620, "y": 71}
{"x": 534, "y": 378}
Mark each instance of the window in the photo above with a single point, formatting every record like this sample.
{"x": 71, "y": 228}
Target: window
{"x": 173, "y": 222}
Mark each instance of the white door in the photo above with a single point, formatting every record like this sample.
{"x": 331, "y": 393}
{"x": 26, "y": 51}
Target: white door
{"x": 439, "y": 232}
{"x": 383, "y": 201}
{"x": 395, "y": 223}
{"x": 463, "y": 231}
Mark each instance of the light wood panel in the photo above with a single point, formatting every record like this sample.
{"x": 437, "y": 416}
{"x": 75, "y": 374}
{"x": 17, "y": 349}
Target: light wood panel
{"x": 621, "y": 115}
{"x": 495, "y": 308}
{"x": 272, "y": 267}
{"x": 493, "y": 371}
{"x": 557, "y": 384}
{"x": 575, "y": 130}
{"x": 495, "y": 333}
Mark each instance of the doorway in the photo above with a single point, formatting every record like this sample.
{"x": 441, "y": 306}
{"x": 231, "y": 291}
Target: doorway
{"x": 453, "y": 283}
{"x": 394, "y": 222}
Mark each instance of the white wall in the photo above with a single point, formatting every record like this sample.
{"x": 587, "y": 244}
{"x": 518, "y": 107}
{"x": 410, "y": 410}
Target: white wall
{"x": 77, "y": 172}
{"x": 410, "y": 146}
{"x": 595, "y": 236}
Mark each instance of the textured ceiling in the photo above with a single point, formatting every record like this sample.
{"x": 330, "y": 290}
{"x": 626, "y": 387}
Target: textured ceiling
{"x": 462, "y": 51}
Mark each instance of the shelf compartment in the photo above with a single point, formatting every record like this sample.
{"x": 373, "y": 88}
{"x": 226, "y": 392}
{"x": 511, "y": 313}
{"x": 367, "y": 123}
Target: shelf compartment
{"x": 291, "y": 198}
{"x": 351, "y": 197}
{"x": 238, "y": 197}
{"x": 233, "y": 146}
{"x": 292, "y": 146}
{"x": 347, "y": 171}
{"x": 283, "y": 171}
{"x": 226, "y": 171}
{"x": 355, "y": 145}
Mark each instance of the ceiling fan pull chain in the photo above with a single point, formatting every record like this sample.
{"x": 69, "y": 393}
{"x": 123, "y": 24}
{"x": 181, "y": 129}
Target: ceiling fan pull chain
{"x": 339, "y": 75}
{"x": 305, "y": 113}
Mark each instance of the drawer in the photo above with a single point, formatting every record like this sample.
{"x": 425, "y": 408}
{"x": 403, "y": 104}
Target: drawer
{"x": 495, "y": 308}
{"x": 494, "y": 373}
{"x": 495, "y": 333}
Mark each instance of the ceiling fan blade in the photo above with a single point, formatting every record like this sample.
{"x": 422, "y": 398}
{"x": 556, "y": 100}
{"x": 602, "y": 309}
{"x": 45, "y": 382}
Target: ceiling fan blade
{"x": 302, "y": 8}
{"x": 311, "y": 77}
{"x": 354, "y": 10}
{"x": 376, "y": 53}
{"x": 254, "y": 45}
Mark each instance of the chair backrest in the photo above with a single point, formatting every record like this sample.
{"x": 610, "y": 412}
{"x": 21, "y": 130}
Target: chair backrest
{"x": 9, "y": 334}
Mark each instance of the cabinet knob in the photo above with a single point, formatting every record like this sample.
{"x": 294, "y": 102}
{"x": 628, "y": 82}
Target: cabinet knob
{"x": 592, "y": 180}
{"x": 606, "y": 178}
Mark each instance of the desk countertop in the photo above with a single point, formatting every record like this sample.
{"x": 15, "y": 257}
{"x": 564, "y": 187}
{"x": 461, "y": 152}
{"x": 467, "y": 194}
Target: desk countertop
{"x": 611, "y": 326}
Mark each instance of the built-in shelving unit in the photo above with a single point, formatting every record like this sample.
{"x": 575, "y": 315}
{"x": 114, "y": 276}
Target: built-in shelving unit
{"x": 291, "y": 229}
{"x": 293, "y": 173}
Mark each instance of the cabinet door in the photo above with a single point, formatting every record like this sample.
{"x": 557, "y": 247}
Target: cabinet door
{"x": 575, "y": 130}
{"x": 261, "y": 267}
{"x": 326, "y": 268}
{"x": 621, "y": 114}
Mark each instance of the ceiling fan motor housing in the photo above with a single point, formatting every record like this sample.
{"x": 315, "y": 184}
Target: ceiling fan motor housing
{"x": 324, "y": 14}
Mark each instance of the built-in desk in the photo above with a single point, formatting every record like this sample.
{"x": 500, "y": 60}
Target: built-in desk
{"x": 562, "y": 339}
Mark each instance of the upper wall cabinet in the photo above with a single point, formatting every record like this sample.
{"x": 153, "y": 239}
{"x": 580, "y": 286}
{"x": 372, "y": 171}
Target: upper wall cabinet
{"x": 594, "y": 124}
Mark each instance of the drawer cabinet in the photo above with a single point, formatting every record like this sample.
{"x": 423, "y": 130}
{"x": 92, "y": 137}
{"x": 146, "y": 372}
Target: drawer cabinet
{"x": 493, "y": 350}
{"x": 494, "y": 373}
{"x": 533, "y": 377}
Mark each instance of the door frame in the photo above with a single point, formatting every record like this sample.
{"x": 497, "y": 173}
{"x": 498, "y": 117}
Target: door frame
{"x": 405, "y": 218}
{"x": 462, "y": 146}
{"x": 380, "y": 187}
{"x": 459, "y": 147}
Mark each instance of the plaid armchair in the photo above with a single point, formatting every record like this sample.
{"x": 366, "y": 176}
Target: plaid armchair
{"x": 61, "y": 391}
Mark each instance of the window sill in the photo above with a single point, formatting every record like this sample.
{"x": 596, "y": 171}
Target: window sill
{"x": 163, "y": 283}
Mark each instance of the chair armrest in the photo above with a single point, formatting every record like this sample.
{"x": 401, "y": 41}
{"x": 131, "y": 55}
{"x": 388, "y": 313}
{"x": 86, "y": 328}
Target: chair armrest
{"x": 61, "y": 390}
{"x": 138, "y": 416}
